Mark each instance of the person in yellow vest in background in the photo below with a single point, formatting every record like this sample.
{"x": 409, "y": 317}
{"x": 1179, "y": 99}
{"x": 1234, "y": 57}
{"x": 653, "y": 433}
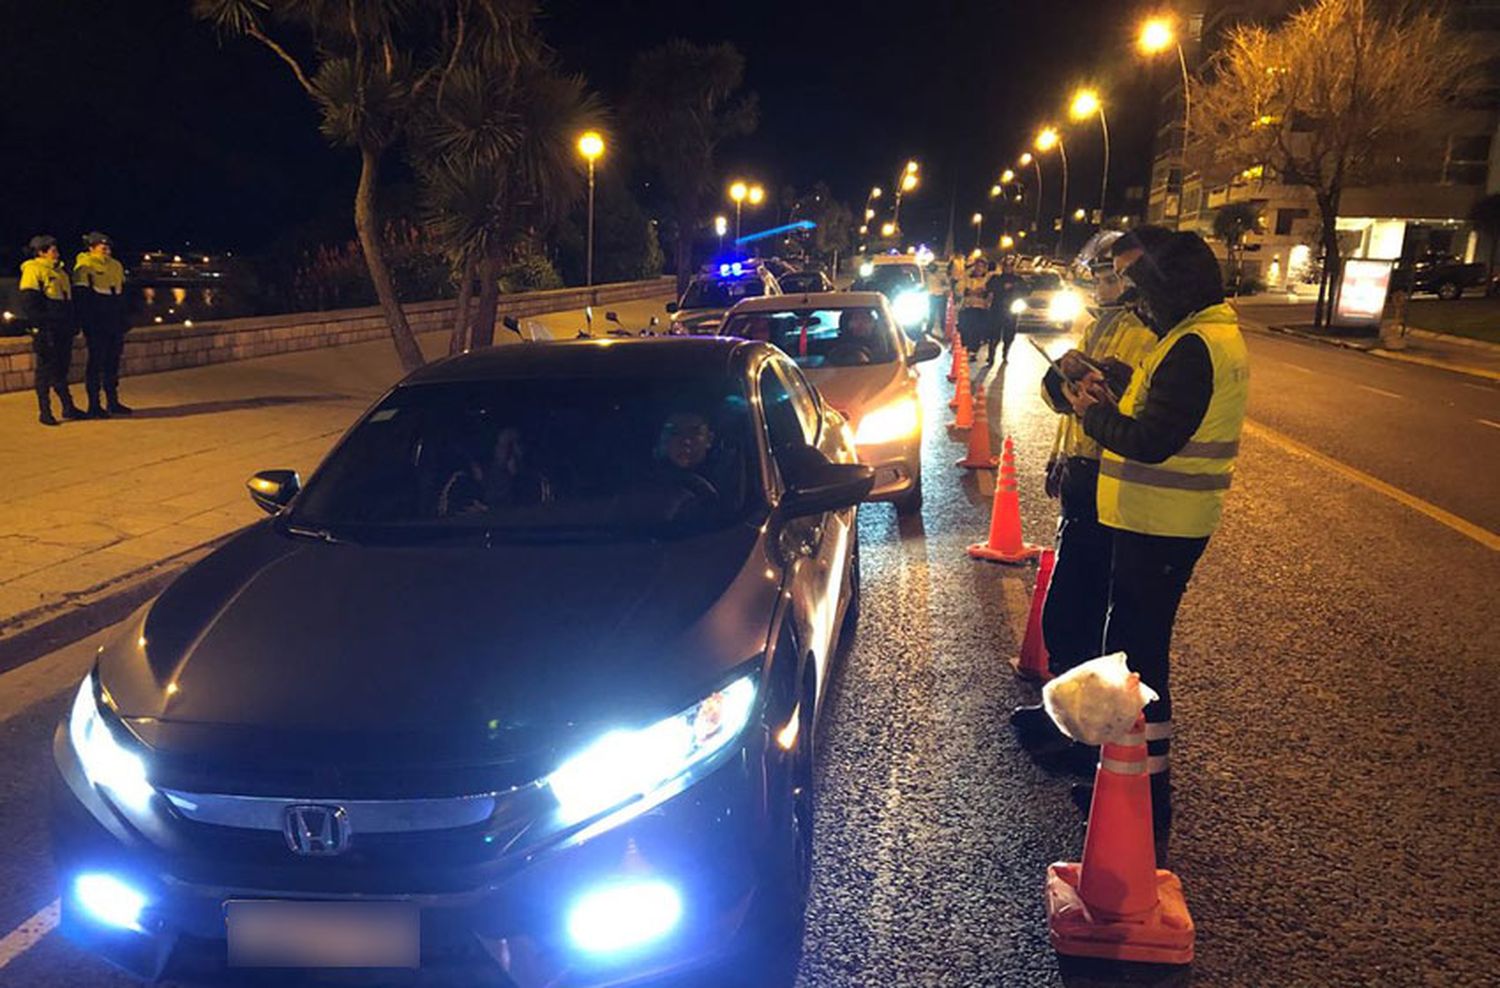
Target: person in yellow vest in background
{"x": 1169, "y": 449}
{"x": 47, "y": 314}
{"x": 1117, "y": 341}
{"x": 99, "y": 297}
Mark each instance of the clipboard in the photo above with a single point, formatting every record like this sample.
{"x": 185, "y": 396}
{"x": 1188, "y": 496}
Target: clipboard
{"x": 1057, "y": 367}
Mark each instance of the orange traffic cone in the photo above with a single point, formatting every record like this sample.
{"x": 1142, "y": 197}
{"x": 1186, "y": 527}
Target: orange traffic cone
{"x": 1117, "y": 904}
{"x": 1032, "y": 662}
{"x": 1005, "y": 545}
{"x": 963, "y": 418}
{"x": 979, "y": 456}
{"x": 959, "y": 360}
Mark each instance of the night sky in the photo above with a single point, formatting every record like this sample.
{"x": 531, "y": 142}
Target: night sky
{"x": 127, "y": 116}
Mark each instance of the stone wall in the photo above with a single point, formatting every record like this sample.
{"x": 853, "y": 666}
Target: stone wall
{"x": 157, "y": 348}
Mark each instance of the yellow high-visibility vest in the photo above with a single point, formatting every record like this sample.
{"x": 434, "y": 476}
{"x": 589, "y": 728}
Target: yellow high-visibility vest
{"x": 1117, "y": 333}
{"x": 1184, "y": 495}
{"x": 42, "y": 274}
{"x": 105, "y": 275}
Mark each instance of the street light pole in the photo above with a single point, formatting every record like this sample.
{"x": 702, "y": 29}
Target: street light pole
{"x": 1086, "y": 103}
{"x": 1027, "y": 158}
{"x": 591, "y": 146}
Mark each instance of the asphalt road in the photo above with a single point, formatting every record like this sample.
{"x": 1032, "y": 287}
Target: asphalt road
{"x": 1338, "y": 721}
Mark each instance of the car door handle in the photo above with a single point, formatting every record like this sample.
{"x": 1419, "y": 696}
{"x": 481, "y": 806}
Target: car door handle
{"x": 811, "y": 539}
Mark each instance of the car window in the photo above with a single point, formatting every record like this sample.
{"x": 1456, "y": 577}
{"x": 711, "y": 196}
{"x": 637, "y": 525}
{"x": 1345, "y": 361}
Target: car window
{"x": 531, "y": 458}
{"x": 804, "y": 401}
{"x": 845, "y": 337}
{"x": 783, "y": 423}
{"x": 1046, "y": 281}
{"x": 711, "y": 293}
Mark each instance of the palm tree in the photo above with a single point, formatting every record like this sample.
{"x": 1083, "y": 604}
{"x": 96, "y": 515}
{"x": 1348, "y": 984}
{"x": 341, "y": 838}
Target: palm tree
{"x": 1485, "y": 215}
{"x": 1231, "y": 223}
{"x": 683, "y": 105}
{"x": 498, "y": 168}
{"x": 362, "y": 85}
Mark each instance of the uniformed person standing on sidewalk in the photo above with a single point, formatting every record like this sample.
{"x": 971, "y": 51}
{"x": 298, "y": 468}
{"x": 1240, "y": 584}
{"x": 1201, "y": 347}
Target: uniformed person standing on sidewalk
{"x": 47, "y": 313}
{"x": 1168, "y": 456}
{"x": 99, "y": 297}
{"x": 1073, "y": 617}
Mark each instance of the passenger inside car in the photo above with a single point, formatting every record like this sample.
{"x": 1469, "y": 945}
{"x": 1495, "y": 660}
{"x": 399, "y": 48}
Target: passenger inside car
{"x": 502, "y": 479}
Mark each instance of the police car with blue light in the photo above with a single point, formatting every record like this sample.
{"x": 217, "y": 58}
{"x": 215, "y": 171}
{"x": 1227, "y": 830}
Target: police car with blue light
{"x": 715, "y": 290}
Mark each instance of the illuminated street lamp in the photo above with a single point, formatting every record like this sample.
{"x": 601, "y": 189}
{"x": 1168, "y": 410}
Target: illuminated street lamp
{"x": 591, "y": 146}
{"x": 757, "y": 195}
{"x": 1007, "y": 241}
{"x": 888, "y": 229}
{"x": 1047, "y": 139}
{"x": 1027, "y": 158}
{"x": 1157, "y": 35}
{"x": 978, "y": 221}
{"x": 1007, "y": 177}
{"x": 869, "y": 214}
{"x": 1086, "y": 103}
{"x": 995, "y": 191}
{"x": 721, "y": 227}
{"x": 738, "y": 192}
{"x": 1080, "y": 214}
{"x": 905, "y": 182}
{"x": 864, "y": 229}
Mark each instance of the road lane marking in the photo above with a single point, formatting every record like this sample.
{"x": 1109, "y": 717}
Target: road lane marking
{"x": 1381, "y": 391}
{"x": 29, "y": 933}
{"x": 1492, "y": 425}
{"x": 1478, "y": 533}
{"x": 1487, "y": 388}
{"x": 1299, "y": 367}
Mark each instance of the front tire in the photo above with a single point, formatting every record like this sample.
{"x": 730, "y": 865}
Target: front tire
{"x": 910, "y": 503}
{"x": 1449, "y": 290}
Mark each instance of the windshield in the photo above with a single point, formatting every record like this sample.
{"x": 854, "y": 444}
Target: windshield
{"x": 533, "y": 458}
{"x": 710, "y": 293}
{"x": 1046, "y": 281}
{"x": 821, "y": 337}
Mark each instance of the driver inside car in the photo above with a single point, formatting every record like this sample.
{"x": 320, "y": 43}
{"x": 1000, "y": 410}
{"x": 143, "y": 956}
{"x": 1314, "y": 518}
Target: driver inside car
{"x": 680, "y": 458}
{"x": 856, "y": 343}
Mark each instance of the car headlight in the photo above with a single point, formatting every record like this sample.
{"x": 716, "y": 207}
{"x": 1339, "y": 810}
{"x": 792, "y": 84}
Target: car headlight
{"x": 625, "y": 765}
{"x": 1018, "y": 307}
{"x": 889, "y": 423}
{"x": 866, "y": 269}
{"x": 1065, "y": 307}
{"x": 912, "y": 307}
{"x": 106, "y": 763}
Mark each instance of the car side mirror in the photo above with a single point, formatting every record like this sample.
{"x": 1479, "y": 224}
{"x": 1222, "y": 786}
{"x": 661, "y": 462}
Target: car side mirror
{"x": 272, "y": 490}
{"x": 815, "y": 484}
{"x": 512, "y": 323}
{"x": 612, "y": 316}
{"x": 671, "y": 306}
{"x": 925, "y": 349}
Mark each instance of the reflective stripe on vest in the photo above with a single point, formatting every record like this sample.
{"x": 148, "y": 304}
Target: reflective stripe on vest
{"x": 1184, "y": 495}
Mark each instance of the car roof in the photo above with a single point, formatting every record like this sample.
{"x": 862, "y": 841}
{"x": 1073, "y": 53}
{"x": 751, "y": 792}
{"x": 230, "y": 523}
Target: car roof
{"x": 909, "y": 259}
{"x": 814, "y": 300}
{"x": 611, "y": 357}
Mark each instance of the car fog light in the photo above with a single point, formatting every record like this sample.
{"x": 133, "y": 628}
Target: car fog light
{"x": 109, "y": 901}
{"x": 1018, "y": 307}
{"x": 619, "y": 917}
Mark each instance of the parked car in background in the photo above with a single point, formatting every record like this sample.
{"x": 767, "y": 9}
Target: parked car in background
{"x": 1048, "y": 303}
{"x": 805, "y": 282}
{"x": 903, "y": 282}
{"x": 1444, "y": 275}
{"x": 711, "y": 294}
{"x": 851, "y": 349}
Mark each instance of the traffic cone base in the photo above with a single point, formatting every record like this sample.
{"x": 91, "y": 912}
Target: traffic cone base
{"x": 1032, "y": 662}
{"x": 1026, "y": 553}
{"x": 1162, "y": 934}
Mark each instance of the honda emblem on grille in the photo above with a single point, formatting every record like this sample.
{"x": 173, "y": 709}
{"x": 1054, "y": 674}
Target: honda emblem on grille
{"x": 317, "y": 831}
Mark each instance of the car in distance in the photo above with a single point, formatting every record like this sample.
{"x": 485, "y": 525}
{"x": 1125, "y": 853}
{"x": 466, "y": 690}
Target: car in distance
{"x": 805, "y": 282}
{"x": 526, "y": 678}
{"x": 1442, "y": 275}
{"x": 1046, "y": 303}
{"x": 849, "y": 346}
{"x": 711, "y": 293}
{"x": 903, "y": 281}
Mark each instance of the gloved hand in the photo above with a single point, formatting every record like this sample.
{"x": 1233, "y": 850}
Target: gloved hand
{"x": 1074, "y": 365}
{"x": 1117, "y": 374}
{"x": 1056, "y": 467}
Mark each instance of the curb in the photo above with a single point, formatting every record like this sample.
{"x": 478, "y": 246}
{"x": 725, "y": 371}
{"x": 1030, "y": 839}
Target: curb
{"x": 1456, "y": 340}
{"x": 41, "y": 630}
{"x": 1373, "y": 349}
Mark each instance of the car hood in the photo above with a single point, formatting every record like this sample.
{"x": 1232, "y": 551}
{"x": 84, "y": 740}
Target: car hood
{"x": 456, "y": 653}
{"x": 699, "y": 321}
{"x": 856, "y": 391}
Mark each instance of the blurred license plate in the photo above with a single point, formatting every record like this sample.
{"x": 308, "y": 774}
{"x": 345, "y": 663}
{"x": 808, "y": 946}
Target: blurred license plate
{"x": 267, "y": 933}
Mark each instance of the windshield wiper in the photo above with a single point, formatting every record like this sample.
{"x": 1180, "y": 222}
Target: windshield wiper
{"x": 320, "y": 534}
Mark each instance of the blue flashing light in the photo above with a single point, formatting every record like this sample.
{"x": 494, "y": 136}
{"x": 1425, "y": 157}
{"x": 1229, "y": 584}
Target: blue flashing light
{"x": 624, "y": 916}
{"x": 750, "y": 238}
{"x": 109, "y": 901}
{"x": 737, "y": 269}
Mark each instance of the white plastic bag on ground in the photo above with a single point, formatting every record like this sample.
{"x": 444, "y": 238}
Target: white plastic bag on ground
{"x": 1097, "y": 701}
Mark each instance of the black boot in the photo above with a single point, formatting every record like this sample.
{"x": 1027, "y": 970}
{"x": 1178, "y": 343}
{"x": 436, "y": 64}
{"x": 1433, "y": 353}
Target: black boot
{"x": 1034, "y": 726}
{"x": 44, "y": 410}
{"x": 118, "y": 407}
{"x": 96, "y": 410}
{"x": 70, "y": 410}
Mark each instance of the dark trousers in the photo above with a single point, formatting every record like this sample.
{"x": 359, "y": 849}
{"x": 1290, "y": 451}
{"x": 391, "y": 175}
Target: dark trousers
{"x": 1147, "y": 578}
{"x": 1002, "y": 330}
{"x": 53, "y": 347}
{"x": 103, "y": 368}
{"x": 971, "y": 328}
{"x": 1078, "y": 598}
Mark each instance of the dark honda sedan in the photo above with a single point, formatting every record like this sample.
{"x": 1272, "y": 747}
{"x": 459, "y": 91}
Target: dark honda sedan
{"x": 526, "y": 678}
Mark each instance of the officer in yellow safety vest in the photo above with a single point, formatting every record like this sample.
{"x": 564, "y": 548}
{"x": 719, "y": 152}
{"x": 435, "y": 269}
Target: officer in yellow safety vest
{"x": 1117, "y": 341}
{"x": 47, "y": 315}
{"x": 1168, "y": 457}
{"x": 99, "y": 295}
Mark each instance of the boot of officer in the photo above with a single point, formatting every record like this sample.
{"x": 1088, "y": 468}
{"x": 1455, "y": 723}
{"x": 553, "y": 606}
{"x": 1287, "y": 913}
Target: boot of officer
{"x": 1074, "y": 614}
{"x": 47, "y": 312}
{"x": 99, "y": 295}
{"x": 1168, "y": 451}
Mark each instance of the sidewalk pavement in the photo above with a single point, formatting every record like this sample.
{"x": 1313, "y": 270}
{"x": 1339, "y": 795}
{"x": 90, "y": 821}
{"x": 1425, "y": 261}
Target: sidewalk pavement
{"x": 93, "y": 505}
{"x": 1455, "y": 353}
